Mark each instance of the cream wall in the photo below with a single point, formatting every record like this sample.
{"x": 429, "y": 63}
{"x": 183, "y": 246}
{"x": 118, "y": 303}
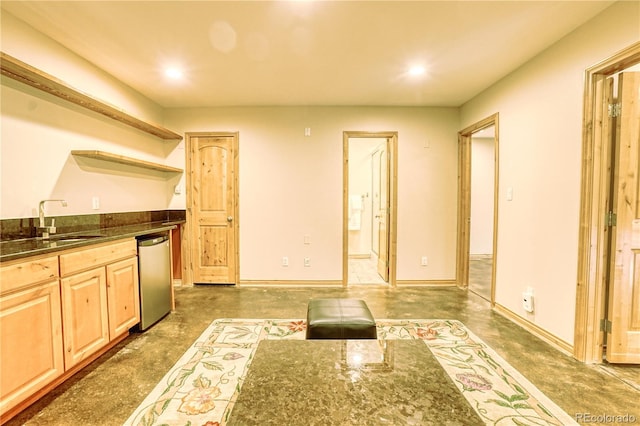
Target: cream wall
{"x": 291, "y": 185}
{"x": 482, "y": 195}
{"x": 540, "y": 107}
{"x": 39, "y": 131}
{"x": 24, "y": 43}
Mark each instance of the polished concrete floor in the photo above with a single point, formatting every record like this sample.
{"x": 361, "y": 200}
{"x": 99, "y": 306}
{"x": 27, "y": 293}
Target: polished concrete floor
{"x": 106, "y": 392}
{"x": 480, "y": 270}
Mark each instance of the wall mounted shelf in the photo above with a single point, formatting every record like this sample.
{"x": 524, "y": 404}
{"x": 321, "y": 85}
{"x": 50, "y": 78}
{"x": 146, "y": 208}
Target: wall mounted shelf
{"x": 121, "y": 159}
{"x": 25, "y": 73}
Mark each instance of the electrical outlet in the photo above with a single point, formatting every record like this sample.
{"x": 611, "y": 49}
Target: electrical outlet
{"x": 527, "y": 300}
{"x": 95, "y": 203}
{"x": 424, "y": 261}
{"x": 307, "y": 262}
{"x": 285, "y": 261}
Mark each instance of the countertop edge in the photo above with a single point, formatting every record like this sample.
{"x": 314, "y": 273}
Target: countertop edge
{"x": 106, "y": 235}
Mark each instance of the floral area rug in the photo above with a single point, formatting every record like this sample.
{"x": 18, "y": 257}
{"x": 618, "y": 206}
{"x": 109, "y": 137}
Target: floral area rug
{"x": 201, "y": 389}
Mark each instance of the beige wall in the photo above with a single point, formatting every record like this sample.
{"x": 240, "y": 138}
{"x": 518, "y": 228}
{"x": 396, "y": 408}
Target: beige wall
{"x": 291, "y": 185}
{"x": 39, "y": 131}
{"x": 540, "y": 107}
{"x": 482, "y": 195}
{"x": 23, "y": 42}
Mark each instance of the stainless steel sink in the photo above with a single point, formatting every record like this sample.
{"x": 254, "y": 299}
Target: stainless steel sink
{"x": 73, "y": 238}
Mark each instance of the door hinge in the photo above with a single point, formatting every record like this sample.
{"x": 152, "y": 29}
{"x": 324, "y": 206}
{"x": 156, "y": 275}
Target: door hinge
{"x": 611, "y": 219}
{"x": 605, "y": 325}
{"x": 614, "y": 110}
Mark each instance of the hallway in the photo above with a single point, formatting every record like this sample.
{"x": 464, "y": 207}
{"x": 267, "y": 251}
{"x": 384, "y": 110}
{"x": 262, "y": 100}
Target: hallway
{"x": 364, "y": 271}
{"x": 108, "y": 391}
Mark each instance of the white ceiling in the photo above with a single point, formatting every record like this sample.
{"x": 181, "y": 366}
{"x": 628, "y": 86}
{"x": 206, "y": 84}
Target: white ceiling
{"x": 307, "y": 52}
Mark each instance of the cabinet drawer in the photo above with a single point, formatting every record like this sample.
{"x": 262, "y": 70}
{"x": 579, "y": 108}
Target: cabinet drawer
{"x": 89, "y": 258}
{"x": 20, "y": 274}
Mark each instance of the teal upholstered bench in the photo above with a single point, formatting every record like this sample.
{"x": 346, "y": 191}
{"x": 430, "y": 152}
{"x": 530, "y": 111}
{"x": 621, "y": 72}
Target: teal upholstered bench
{"x": 340, "y": 319}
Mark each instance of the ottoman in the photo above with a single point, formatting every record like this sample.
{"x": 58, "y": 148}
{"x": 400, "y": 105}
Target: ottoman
{"x": 340, "y": 319}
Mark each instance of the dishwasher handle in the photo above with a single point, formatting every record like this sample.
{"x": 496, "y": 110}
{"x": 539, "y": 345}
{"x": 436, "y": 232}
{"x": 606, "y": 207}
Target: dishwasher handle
{"x": 152, "y": 241}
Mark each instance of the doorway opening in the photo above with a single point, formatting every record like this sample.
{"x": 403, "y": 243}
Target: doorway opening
{"x": 608, "y": 291}
{"x": 478, "y": 207}
{"x": 369, "y": 208}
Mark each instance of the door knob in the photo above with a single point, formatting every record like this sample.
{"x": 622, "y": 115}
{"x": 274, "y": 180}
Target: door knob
{"x": 229, "y": 218}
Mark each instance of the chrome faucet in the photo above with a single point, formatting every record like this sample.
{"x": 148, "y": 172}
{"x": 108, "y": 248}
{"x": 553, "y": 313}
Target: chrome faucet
{"x": 46, "y": 230}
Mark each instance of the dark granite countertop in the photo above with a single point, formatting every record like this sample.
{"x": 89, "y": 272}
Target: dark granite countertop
{"x": 349, "y": 382}
{"x": 26, "y": 247}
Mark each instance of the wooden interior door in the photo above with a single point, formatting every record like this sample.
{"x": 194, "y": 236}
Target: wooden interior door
{"x": 212, "y": 204}
{"x": 623, "y": 338}
{"x": 383, "y": 214}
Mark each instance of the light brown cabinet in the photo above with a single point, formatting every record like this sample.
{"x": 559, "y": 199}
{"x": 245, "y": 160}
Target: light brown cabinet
{"x": 99, "y": 304}
{"x": 123, "y": 296}
{"x": 58, "y": 313}
{"x": 31, "y": 329}
{"x": 85, "y": 315}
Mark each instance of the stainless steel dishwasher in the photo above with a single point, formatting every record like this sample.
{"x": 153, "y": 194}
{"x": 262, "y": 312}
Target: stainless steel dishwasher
{"x": 154, "y": 263}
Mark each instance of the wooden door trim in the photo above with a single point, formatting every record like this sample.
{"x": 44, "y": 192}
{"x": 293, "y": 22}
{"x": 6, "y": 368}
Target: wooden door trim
{"x": 187, "y": 242}
{"x": 393, "y": 200}
{"x": 592, "y": 248}
{"x": 464, "y": 201}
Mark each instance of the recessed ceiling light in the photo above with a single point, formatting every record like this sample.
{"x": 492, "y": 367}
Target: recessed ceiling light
{"x": 174, "y": 73}
{"x": 416, "y": 70}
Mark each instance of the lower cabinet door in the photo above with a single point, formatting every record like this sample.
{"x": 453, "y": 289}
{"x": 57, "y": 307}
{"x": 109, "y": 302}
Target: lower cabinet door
{"x": 30, "y": 342}
{"x": 85, "y": 315}
{"x": 123, "y": 296}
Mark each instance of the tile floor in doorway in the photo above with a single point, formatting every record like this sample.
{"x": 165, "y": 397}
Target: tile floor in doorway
{"x": 364, "y": 271}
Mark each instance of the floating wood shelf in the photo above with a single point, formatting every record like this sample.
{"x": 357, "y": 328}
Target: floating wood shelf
{"x": 25, "y": 73}
{"x": 121, "y": 159}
